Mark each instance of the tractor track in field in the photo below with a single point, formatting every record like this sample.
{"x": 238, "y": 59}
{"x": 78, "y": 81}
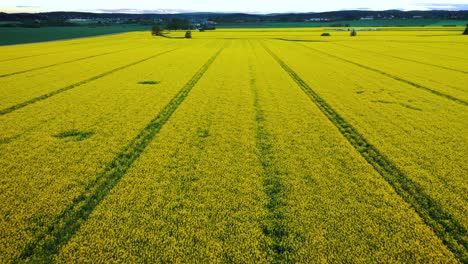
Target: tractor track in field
{"x": 23, "y": 57}
{"x": 448, "y": 229}
{"x": 75, "y": 85}
{"x": 274, "y": 188}
{"x": 64, "y": 62}
{"x": 57, "y": 52}
{"x": 47, "y": 244}
{"x": 31, "y": 56}
{"x": 396, "y": 78}
{"x": 401, "y": 58}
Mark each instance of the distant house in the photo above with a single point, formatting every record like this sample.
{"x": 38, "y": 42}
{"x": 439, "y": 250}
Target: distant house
{"x": 317, "y": 19}
{"x": 206, "y": 25}
{"x": 79, "y": 20}
{"x": 367, "y": 18}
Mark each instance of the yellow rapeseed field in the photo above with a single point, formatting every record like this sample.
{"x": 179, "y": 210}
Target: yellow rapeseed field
{"x": 237, "y": 146}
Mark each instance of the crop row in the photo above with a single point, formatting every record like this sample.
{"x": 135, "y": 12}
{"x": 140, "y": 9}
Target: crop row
{"x": 40, "y": 54}
{"x": 248, "y": 170}
{"x": 449, "y": 230}
{"x": 131, "y": 168}
{"x": 63, "y": 62}
{"x": 458, "y": 96}
{"x": 114, "y": 108}
{"x": 20, "y": 88}
{"x": 69, "y": 221}
{"x": 420, "y": 132}
{"x": 72, "y": 86}
{"x": 421, "y": 60}
{"x": 194, "y": 194}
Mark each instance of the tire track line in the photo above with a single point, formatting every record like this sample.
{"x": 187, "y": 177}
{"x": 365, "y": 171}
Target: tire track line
{"x": 415, "y": 85}
{"x": 65, "y": 62}
{"x": 24, "y": 57}
{"x": 82, "y": 46}
{"x": 273, "y": 227}
{"x": 400, "y": 58}
{"x": 48, "y": 243}
{"x": 75, "y": 85}
{"x": 448, "y": 229}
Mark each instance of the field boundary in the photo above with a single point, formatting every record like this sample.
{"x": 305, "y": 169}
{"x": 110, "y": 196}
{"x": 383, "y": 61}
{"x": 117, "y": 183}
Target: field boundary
{"x": 450, "y": 232}
{"x": 415, "y": 85}
{"x": 75, "y": 85}
{"x": 400, "y": 58}
{"x": 48, "y": 243}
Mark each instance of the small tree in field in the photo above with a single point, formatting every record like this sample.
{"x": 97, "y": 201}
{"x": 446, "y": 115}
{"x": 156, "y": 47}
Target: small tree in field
{"x": 325, "y": 34}
{"x": 156, "y": 31}
{"x": 353, "y": 33}
{"x": 188, "y": 34}
{"x": 466, "y": 30}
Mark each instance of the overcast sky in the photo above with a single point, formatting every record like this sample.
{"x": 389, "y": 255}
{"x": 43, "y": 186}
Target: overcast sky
{"x": 260, "y": 6}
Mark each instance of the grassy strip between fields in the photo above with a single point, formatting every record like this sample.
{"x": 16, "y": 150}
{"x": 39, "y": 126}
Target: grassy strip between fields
{"x": 401, "y": 58}
{"x": 61, "y": 63}
{"x": 273, "y": 184}
{"x": 69, "y": 87}
{"x": 452, "y": 233}
{"x": 47, "y": 244}
{"x": 419, "y": 86}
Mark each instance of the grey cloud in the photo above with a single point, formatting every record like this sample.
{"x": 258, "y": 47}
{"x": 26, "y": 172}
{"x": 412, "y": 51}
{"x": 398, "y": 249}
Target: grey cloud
{"x": 27, "y": 6}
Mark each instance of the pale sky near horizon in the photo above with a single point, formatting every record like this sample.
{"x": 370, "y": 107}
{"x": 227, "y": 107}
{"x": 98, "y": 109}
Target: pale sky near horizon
{"x": 260, "y": 6}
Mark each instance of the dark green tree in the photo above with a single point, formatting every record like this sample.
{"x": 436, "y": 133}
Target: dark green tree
{"x": 188, "y": 34}
{"x": 156, "y": 31}
{"x": 177, "y": 23}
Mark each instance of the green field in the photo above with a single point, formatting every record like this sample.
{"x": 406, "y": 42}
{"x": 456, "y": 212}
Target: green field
{"x": 18, "y": 35}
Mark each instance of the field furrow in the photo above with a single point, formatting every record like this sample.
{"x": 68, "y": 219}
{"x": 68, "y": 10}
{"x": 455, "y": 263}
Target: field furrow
{"x": 274, "y": 226}
{"x": 40, "y": 54}
{"x": 252, "y": 145}
{"x": 452, "y": 233}
{"x": 452, "y": 57}
{"x": 47, "y": 244}
{"x": 75, "y": 85}
{"x": 196, "y": 186}
{"x": 18, "y": 89}
{"x": 320, "y": 170}
{"x": 457, "y": 95}
{"x": 421, "y": 133}
{"x": 400, "y": 57}
{"x": 64, "y": 62}
{"x": 74, "y": 141}
{"x": 448, "y": 50}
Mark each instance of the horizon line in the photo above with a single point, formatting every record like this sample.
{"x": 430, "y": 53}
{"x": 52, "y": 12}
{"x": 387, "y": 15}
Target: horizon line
{"x": 130, "y": 11}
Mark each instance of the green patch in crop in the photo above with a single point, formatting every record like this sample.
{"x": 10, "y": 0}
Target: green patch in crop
{"x": 411, "y": 107}
{"x": 382, "y": 102}
{"x": 203, "y": 133}
{"x": 75, "y": 135}
{"x": 401, "y": 104}
{"x": 360, "y": 92}
{"x": 149, "y": 82}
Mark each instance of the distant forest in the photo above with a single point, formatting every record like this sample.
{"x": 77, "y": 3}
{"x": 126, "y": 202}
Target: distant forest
{"x": 69, "y": 18}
